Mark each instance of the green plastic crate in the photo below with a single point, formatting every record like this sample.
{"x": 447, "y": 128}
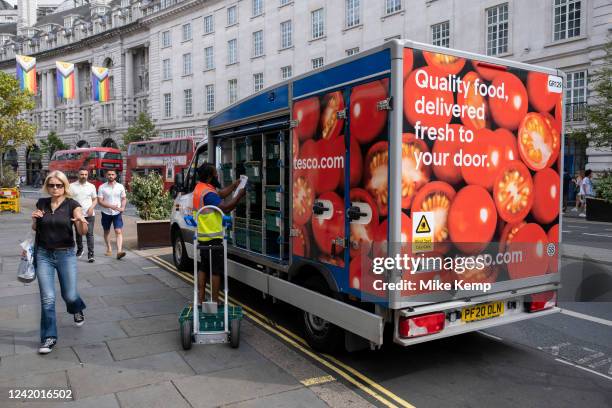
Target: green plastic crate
{"x": 253, "y": 171}
{"x": 255, "y": 240}
{"x": 273, "y": 171}
{"x": 240, "y": 237}
{"x": 273, "y": 220}
{"x": 273, "y": 149}
{"x": 227, "y": 172}
{"x": 241, "y": 152}
{"x": 211, "y": 321}
{"x": 274, "y": 196}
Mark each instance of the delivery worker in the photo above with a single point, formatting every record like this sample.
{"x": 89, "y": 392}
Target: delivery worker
{"x": 208, "y": 191}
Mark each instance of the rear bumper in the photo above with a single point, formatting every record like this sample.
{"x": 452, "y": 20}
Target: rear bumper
{"x": 457, "y": 326}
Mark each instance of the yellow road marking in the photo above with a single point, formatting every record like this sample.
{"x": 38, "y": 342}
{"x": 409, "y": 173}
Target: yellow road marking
{"x": 150, "y": 267}
{"x": 309, "y": 382}
{"x": 301, "y": 344}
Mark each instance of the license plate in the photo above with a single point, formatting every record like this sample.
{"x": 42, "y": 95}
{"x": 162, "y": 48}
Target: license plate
{"x": 482, "y": 311}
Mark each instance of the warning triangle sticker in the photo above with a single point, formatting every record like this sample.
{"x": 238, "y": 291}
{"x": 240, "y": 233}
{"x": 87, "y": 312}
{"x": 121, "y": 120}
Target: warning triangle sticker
{"x": 423, "y": 227}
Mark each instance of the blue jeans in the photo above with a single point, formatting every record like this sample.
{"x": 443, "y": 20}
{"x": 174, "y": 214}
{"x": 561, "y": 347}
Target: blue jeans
{"x": 64, "y": 262}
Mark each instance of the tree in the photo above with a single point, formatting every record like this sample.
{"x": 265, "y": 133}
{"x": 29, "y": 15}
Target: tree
{"x": 142, "y": 129}
{"x": 148, "y": 196}
{"x": 14, "y": 131}
{"x": 598, "y": 129}
{"x": 52, "y": 144}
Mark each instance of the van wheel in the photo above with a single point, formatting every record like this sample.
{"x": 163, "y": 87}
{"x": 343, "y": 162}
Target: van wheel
{"x": 320, "y": 334}
{"x": 179, "y": 252}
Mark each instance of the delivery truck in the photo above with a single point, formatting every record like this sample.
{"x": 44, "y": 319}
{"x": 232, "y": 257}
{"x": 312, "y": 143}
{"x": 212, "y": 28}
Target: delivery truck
{"x": 409, "y": 192}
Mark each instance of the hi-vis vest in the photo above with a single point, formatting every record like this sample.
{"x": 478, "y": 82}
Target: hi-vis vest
{"x": 210, "y": 223}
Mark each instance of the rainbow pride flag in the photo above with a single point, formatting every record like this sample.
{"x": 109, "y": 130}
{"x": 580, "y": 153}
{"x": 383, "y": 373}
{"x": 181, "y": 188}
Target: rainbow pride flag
{"x": 26, "y": 73}
{"x": 100, "y": 84}
{"x": 64, "y": 74}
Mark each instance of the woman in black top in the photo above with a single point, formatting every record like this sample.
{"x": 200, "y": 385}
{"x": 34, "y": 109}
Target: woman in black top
{"x": 52, "y": 220}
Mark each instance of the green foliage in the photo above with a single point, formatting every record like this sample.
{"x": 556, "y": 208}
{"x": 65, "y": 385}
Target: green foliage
{"x": 598, "y": 130}
{"x": 148, "y": 196}
{"x": 52, "y": 144}
{"x": 8, "y": 178}
{"x": 142, "y": 129}
{"x": 603, "y": 186}
{"x": 14, "y": 131}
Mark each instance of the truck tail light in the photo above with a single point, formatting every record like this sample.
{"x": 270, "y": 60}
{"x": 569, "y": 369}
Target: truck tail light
{"x": 415, "y": 326}
{"x": 541, "y": 301}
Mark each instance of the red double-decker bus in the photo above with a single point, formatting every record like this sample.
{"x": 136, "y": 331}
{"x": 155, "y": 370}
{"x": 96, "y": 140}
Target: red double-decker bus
{"x": 97, "y": 160}
{"x": 162, "y": 156}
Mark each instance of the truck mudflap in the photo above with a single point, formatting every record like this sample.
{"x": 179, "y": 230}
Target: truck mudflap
{"x": 360, "y": 322}
{"x": 460, "y": 316}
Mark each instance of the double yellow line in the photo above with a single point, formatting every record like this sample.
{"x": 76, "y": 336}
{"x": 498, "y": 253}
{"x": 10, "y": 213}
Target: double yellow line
{"x": 365, "y": 384}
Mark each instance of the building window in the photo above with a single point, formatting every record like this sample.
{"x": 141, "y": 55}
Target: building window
{"x": 317, "y": 62}
{"x": 232, "y": 51}
{"x": 187, "y": 64}
{"x": 440, "y": 34}
{"x": 166, "y": 69}
{"x": 257, "y": 7}
{"x": 186, "y": 32}
{"x": 258, "y": 82}
{"x": 210, "y": 98}
{"x": 318, "y": 23}
{"x": 209, "y": 58}
{"x": 232, "y": 90}
{"x": 352, "y": 51}
{"x": 567, "y": 14}
{"x": 166, "y": 39}
{"x": 497, "y": 29}
{"x": 167, "y": 105}
{"x": 285, "y": 2}
{"x": 352, "y": 13}
{"x": 576, "y": 96}
{"x": 286, "y": 72}
{"x": 232, "y": 15}
{"x": 209, "y": 25}
{"x": 392, "y": 6}
{"x": 188, "y": 98}
{"x": 286, "y": 29}
{"x": 258, "y": 45}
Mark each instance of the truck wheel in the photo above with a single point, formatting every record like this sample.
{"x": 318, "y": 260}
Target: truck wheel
{"x": 234, "y": 333}
{"x": 179, "y": 252}
{"x": 186, "y": 332}
{"x": 321, "y": 335}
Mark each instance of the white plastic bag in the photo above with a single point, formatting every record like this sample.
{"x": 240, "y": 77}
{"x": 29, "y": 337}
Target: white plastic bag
{"x": 26, "y": 272}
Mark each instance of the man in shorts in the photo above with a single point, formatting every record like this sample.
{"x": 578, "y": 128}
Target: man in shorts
{"x": 112, "y": 199}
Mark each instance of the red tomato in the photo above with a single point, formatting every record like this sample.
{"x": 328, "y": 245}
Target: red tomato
{"x": 508, "y": 233}
{"x": 301, "y": 241}
{"x": 306, "y": 112}
{"x": 558, "y": 115}
{"x": 556, "y": 137}
{"x": 448, "y": 172}
{"x": 331, "y": 125}
{"x": 488, "y": 71}
{"x": 362, "y": 235}
{"x": 449, "y": 64}
{"x": 540, "y": 97}
{"x": 326, "y": 230}
{"x": 376, "y": 171}
{"x": 414, "y": 93}
{"x": 553, "y": 238}
{"x": 303, "y": 199}
{"x": 547, "y": 194}
{"x": 499, "y": 147}
{"x": 530, "y": 240}
{"x": 536, "y": 142}
{"x": 513, "y": 192}
{"x": 472, "y": 219}
{"x": 362, "y": 278}
{"x": 356, "y": 164}
{"x": 313, "y": 155}
{"x": 408, "y": 62}
{"x": 508, "y": 112}
{"x": 475, "y": 100}
{"x": 366, "y": 120}
{"x": 437, "y": 197}
{"x": 382, "y": 233}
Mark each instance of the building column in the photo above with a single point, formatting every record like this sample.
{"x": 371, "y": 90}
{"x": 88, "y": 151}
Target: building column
{"x": 128, "y": 72}
{"x": 51, "y": 89}
{"x": 76, "y": 102}
{"x": 43, "y": 90}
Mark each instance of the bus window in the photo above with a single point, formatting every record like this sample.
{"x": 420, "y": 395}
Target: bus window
{"x": 164, "y": 148}
{"x": 111, "y": 155}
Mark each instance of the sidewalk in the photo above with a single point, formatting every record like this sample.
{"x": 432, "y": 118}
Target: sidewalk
{"x": 128, "y": 352}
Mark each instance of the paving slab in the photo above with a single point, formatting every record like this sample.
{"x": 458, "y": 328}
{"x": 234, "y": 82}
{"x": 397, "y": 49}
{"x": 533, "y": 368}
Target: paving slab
{"x": 97, "y": 315}
{"x": 156, "y": 308}
{"x": 140, "y": 279}
{"x": 95, "y": 379}
{"x": 301, "y": 398}
{"x": 7, "y": 345}
{"x": 123, "y": 288}
{"x": 215, "y": 357}
{"x": 142, "y": 297}
{"x": 8, "y": 313}
{"x": 49, "y": 381}
{"x": 163, "y": 395}
{"x": 20, "y": 365}
{"x": 97, "y": 353}
{"x": 235, "y": 385}
{"x": 170, "y": 280}
{"x": 140, "y": 346}
{"x": 149, "y": 325}
{"x": 105, "y": 401}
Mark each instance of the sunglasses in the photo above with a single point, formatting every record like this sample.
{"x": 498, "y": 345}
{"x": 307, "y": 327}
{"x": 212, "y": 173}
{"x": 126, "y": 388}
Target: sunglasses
{"x": 56, "y": 186}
